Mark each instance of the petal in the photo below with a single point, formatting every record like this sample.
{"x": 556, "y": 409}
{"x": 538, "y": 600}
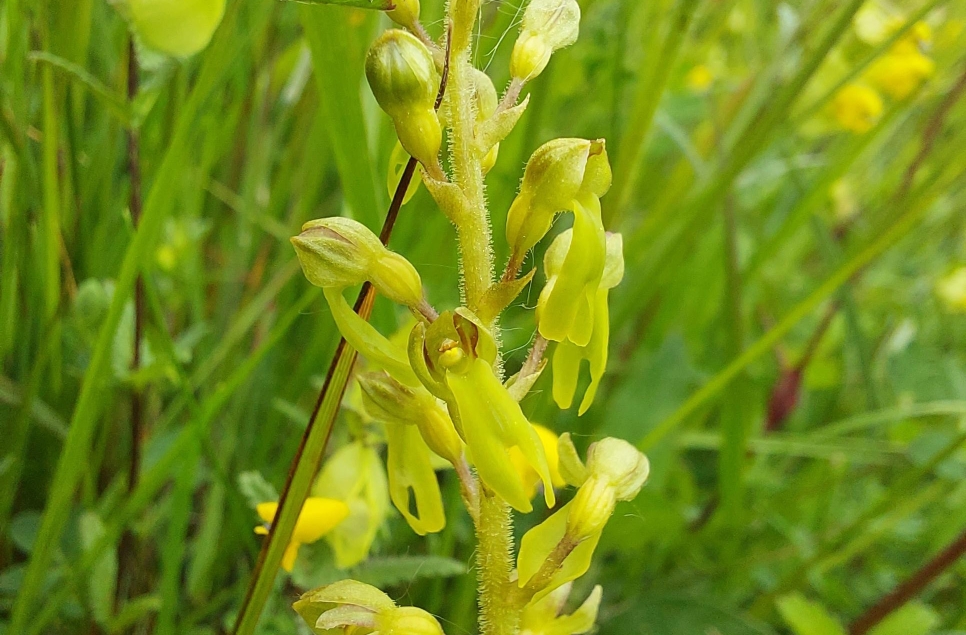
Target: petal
{"x": 410, "y": 468}
{"x": 318, "y": 517}
{"x": 288, "y": 558}
{"x": 539, "y": 542}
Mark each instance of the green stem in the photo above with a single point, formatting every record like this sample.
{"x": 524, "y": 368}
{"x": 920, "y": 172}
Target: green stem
{"x": 494, "y": 527}
{"x": 494, "y": 534}
{"x": 473, "y": 230}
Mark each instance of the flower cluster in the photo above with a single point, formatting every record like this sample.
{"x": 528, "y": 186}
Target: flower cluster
{"x": 438, "y": 390}
{"x": 898, "y": 72}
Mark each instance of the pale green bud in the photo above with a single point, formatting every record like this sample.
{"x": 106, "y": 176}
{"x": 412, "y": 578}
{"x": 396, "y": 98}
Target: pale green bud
{"x": 622, "y": 465}
{"x": 339, "y": 252}
{"x": 591, "y": 508}
{"x": 388, "y": 400}
{"x": 408, "y": 620}
{"x": 348, "y": 603}
{"x": 405, "y": 13}
{"x": 548, "y": 25}
{"x": 557, "y": 172}
{"x": 176, "y": 27}
{"x": 402, "y": 76}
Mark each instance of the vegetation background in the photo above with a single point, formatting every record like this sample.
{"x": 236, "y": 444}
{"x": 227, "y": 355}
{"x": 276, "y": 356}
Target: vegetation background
{"x": 789, "y": 342}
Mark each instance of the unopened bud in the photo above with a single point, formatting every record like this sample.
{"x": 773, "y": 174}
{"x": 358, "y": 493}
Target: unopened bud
{"x": 623, "y": 466}
{"x": 590, "y": 509}
{"x": 388, "y": 400}
{"x": 339, "y": 252}
{"x": 404, "y": 13}
{"x": 557, "y": 172}
{"x": 408, "y": 620}
{"x": 548, "y": 25}
{"x": 402, "y": 76}
{"x": 176, "y": 27}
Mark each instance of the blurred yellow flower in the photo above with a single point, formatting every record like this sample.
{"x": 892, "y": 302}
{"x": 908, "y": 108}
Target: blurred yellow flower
{"x": 856, "y": 107}
{"x": 901, "y": 73}
{"x": 548, "y": 439}
{"x": 318, "y": 517}
{"x": 951, "y": 289}
{"x": 699, "y": 78}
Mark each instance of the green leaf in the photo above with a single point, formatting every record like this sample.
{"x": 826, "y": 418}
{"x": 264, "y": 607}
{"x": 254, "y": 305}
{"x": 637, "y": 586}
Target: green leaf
{"x": 806, "y": 617}
{"x": 914, "y": 618}
{"x": 384, "y": 572}
{"x": 381, "y": 5}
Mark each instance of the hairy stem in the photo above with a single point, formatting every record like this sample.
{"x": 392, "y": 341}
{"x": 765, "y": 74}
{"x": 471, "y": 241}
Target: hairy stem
{"x": 494, "y": 534}
{"x": 473, "y": 229}
{"x": 494, "y": 526}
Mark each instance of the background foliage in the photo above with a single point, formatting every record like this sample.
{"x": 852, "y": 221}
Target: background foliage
{"x": 758, "y": 233}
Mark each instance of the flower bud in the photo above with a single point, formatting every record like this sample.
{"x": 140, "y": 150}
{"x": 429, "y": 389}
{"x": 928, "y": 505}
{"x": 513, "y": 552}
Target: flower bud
{"x": 402, "y": 76}
{"x": 176, "y": 27}
{"x": 622, "y": 465}
{"x": 548, "y": 25}
{"x": 408, "y": 620}
{"x": 388, "y": 400}
{"x": 591, "y": 508}
{"x": 555, "y": 175}
{"x": 349, "y": 604}
{"x": 404, "y": 13}
{"x": 339, "y": 252}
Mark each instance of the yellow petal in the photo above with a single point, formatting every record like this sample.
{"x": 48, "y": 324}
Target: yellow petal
{"x": 288, "y": 559}
{"x": 318, "y": 517}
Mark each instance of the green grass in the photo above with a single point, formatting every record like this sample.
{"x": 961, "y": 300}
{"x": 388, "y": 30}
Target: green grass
{"x": 736, "y": 248}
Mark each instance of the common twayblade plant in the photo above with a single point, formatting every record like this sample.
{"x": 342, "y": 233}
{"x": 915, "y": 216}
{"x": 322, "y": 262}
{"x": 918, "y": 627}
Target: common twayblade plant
{"x": 445, "y": 392}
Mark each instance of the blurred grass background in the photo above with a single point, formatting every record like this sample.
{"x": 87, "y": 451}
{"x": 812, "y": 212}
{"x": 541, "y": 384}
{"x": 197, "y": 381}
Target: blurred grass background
{"x": 789, "y": 342}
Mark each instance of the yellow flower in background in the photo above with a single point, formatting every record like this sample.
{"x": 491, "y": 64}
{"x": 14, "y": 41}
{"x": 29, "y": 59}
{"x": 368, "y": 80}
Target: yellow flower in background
{"x": 355, "y": 474}
{"x": 856, "y": 107}
{"x": 318, "y": 517}
{"x": 900, "y": 74}
{"x": 951, "y": 289}
{"x": 529, "y": 476}
{"x": 699, "y": 78}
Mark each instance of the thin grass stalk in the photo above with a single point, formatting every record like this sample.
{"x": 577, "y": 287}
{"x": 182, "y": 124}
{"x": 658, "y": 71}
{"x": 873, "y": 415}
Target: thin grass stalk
{"x": 157, "y": 476}
{"x": 654, "y": 74}
{"x": 309, "y": 455}
{"x": 73, "y": 458}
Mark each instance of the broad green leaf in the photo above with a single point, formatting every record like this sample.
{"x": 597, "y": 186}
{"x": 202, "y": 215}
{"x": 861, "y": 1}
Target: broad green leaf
{"x": 806, "y": 617}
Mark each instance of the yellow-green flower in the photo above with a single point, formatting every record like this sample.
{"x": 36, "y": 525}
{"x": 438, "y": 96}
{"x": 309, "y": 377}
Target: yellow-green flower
{"x": 176, "y": 27}
{"x": 529, "y": 476}
{"x": 900, "y": 74}
{"x": 356, "y": 476}
{"x": 857, "y": 107}
{"x": 615, "y": 471}
{"x": 542, "y": 617}
{"x": 410, "y": 469}
{"x": 455, "y": 357}
{"x": 570, "y": 353}
{"x": 952, "y": 290}
{"x": 318, "y": 517}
